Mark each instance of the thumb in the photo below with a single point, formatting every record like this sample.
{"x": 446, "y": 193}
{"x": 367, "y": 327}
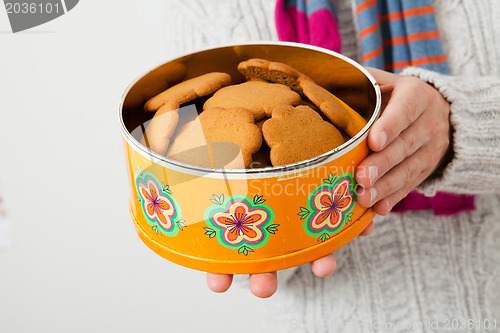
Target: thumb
{"x": 382, "y": 77}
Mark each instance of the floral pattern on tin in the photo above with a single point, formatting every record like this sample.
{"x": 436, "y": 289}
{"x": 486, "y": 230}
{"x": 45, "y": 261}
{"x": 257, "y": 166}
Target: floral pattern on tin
{"x": 329, "y": 206}
{"x": 240, "y": 222}
{"x": 160, "y": 209}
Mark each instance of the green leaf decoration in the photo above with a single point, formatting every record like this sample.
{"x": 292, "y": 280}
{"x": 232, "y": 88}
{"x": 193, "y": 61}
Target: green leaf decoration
{"x": 331, "y": 178}
{"x": 218, "y": 200}
{"x": 155, "y": 228}
{"x": 165, "y": 188}
{"x": 349, "y": 217}
{"x": 272, "y": 228}
{"x": 323, "y": 237}
{"x": 139, "y": 170}
{"x": 210, "y": 232}
{"x": 245, "y": 249}
{"x": 139, "y": 199}
{"x": 258, "y": 199}
{"x": 181, "y": 224}
{"x": 304, "y": 213}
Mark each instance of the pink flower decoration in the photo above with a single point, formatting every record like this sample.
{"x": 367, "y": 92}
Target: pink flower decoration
{"x": 241, "y": 223}
{"x": 158, "y": 207}
{"x": 330, "y": 206}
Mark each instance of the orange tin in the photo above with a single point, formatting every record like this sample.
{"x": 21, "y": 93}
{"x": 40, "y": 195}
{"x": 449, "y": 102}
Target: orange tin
{"x": 253, "y": 220}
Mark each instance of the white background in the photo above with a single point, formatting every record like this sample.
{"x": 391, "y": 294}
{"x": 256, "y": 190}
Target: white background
{"x": 76, "y": 264}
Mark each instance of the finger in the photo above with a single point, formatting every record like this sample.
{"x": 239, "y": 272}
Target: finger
{"x": 219, "y": 283}
{"x": 324, "y": 266}
{"x": 408, "y": 101}
{"x": 383, "y": 77}
{"x": 368, "y": 230}
{"x": 263, "y": 285}
{"x": 363, "y": 196}
{"x": 406, "y": 144}
{"x": 386, "y": 92}
{"x": 404, "y": 177}
{"x": 384, "y": 206}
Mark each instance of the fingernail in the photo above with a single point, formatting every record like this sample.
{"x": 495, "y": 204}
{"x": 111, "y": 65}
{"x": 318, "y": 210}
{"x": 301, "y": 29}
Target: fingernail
{"x": 373, "y": 195}
{"x": 372, "y": 174}
{"x": 383, "y": 139}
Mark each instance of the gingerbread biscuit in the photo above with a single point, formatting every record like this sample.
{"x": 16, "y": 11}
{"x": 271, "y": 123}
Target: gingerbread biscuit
{"x": 191, "y": 147}
{"x": 258, "y": 97}
{"x": 154, "y": 83}
{"x": 260, "y": 123}
{"x": 308, "y": 103}
{"x": 161, "y": 127}
{"x": 339, "y": 113}
{"x": 333, "y": 108}
{"x": 261, "y": 158}
{"x": 221, "y": 131}
{"x": 297, "y": 134}
{"x": 276, "y": 72}
{"x": 189, "y": 90}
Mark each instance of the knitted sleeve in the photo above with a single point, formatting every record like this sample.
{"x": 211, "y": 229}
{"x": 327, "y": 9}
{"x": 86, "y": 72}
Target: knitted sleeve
{"x": 475, "y": 121}
{"x": 196, "y": 24}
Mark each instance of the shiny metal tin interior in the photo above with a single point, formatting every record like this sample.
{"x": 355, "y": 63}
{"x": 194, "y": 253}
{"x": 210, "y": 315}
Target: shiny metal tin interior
{"x": 342, "y": 76}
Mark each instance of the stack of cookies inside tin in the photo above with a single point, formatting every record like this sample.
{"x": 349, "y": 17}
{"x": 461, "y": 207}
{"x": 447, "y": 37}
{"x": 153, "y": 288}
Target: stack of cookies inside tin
{"x": 278, "y": 116}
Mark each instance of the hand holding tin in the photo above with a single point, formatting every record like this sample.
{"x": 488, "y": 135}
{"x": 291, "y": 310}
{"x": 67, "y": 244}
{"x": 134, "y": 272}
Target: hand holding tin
{"x": 264, "y": 285}
{"x": 410, "y": 141}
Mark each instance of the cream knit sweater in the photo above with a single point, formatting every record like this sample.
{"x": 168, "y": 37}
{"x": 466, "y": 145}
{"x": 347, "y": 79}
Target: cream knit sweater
{"x": 416, "y": 272}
